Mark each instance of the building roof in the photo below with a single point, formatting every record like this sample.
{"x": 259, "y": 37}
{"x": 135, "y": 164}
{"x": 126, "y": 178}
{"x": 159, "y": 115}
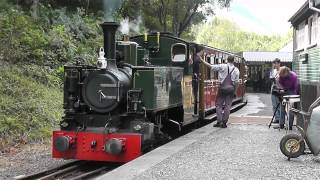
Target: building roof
{"x": 298, "y": 15}
{"x": 267, "y": 56}
{"x": 303, "y": 13}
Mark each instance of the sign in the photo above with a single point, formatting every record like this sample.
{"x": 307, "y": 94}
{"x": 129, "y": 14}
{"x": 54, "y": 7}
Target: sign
{"x": 303, "y": 57}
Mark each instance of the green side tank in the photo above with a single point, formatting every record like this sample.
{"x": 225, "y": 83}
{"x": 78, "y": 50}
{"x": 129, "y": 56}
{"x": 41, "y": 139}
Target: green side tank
{"x": 161, "y": 86}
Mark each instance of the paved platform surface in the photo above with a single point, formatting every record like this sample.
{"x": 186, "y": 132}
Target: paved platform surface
{"x": 259, "y": 104}
{"x": 247, "y": 149}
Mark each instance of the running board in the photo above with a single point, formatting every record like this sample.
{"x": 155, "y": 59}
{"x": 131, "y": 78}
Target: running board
{"x": 210, "y": 117}
{"x": 233, "y": 109}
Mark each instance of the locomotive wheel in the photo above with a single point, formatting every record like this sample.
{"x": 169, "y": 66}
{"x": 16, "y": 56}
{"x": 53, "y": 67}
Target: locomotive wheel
{"x": 292, "y": 145}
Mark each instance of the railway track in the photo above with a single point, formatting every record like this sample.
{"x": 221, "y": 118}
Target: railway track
{"x": 73, "y": 171}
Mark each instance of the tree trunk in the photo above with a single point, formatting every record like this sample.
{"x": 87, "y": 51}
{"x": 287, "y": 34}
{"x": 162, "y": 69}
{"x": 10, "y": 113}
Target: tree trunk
{"x": 175, "y": 18}
{"x": 87, "y": 7}
{"x": 34, "y": 8}
{"x": 163, "y": 15}
{"x": 187, "y": 19}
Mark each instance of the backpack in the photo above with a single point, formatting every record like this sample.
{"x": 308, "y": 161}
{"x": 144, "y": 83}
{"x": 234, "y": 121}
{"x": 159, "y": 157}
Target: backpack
{"x": 227, "y": 87}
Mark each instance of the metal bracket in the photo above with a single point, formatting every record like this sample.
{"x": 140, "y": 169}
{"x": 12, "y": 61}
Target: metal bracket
{"x": 103, "y": 96}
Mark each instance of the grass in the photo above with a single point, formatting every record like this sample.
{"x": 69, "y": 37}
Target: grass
{"x": 30, "y": 104}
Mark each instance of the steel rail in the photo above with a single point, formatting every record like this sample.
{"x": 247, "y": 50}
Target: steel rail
{"x": 74, "y": 170}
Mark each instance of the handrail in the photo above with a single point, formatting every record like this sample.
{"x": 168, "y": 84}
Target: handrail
{"x": 314, "y": 104}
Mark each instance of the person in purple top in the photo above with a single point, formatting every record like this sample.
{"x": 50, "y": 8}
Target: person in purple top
{"x": 289, "y": 82}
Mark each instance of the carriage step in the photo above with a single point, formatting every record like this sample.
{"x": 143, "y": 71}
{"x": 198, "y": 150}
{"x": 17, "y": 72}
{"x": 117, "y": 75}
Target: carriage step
{"x": 210, "y": 117}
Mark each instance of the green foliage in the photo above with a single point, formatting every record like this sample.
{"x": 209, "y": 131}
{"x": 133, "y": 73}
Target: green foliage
{"x": 33, "y": 49}
{"x": 54, "y": 38}
{"x": 175, "y": 16}
{"x": 224, "y": 34}
{"x": 30, "y": 103}
{"x": 21, "y": 38}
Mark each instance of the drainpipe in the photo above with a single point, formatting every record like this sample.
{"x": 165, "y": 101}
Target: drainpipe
{"x": 312, "y": 7}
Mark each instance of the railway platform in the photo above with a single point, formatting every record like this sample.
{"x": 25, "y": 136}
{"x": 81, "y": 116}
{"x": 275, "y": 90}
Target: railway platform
{"x": 247, "y": 149}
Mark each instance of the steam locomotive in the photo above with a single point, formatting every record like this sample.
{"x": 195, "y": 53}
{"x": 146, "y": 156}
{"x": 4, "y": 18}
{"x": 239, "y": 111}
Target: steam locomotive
{"x": 140, "y": 92}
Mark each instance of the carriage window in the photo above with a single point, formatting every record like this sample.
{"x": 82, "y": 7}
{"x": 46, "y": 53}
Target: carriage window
{"x": 208, "y": 58}
{"x": 216, "y": 61}
{"x": 212, "y": 58}
{"x": 179, "y": 52}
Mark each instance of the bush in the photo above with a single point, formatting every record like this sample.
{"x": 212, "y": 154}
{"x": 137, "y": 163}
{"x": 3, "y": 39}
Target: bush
{"x": 29, "y": 108}
{"x": 53, "y": 39}
{"x": 21, "y": 39}
{"x": 33, "y": 51}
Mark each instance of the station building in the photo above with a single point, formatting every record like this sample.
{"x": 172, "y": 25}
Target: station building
{"x": 260, "y": 65}
{"x": 306, "y": 50}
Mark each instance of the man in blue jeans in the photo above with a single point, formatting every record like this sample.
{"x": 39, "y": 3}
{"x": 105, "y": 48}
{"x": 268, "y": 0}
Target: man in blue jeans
{"x": 276, "y": 86}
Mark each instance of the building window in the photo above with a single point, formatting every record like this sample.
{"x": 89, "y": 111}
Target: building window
{"x": 314, "y": 37}
{"x": 300, "y": 31}
{"x": 312, "y": 30}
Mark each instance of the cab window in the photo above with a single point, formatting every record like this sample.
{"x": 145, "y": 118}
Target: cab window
{"x": 178, "y": 52}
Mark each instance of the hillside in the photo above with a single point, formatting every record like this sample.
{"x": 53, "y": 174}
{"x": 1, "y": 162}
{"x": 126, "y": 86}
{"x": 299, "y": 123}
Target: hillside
{"x": 30, "y": 103}
{"x": 33, "y": 50}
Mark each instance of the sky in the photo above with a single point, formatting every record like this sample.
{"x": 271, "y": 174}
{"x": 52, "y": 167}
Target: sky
{"x": 262, "y": 16}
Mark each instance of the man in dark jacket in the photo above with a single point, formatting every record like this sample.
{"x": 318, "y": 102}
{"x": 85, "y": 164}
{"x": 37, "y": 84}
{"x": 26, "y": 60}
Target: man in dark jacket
{"x": 198, "y": 52}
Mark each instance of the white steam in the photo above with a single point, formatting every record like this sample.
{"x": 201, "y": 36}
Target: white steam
{"x": 127, "y": 26}
{"x": 124, "y": 26}
{"x": 110, "y": 7}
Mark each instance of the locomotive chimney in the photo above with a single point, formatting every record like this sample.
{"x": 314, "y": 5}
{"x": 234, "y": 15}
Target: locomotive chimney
{"x": 126, "y": 37}
{"x": 109, "y": 31}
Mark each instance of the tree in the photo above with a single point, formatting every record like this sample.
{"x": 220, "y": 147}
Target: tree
{"x": 176, "y": 16}
{"x": 88, "y": 5}
{"x": 225, "y": 34}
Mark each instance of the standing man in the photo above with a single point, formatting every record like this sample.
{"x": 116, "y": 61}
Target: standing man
{"x": 228, "y": 76}
{"x": 267, "y": 80}
{"x": 198, "y": 52}
{"x": 275, "y": 87}
{"x": 256, "y": 79}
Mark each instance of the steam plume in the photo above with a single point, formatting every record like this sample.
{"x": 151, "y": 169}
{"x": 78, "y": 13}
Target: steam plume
{"x": 110, "y": 8}
{"x": 127, "y": 26}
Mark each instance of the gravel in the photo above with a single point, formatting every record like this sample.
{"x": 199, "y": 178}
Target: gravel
{"x": 27, "y": 160}
{"x": 238, "y": 152}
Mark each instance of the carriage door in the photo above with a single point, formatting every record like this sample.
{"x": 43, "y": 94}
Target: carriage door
{"x": 179, "y": 55}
